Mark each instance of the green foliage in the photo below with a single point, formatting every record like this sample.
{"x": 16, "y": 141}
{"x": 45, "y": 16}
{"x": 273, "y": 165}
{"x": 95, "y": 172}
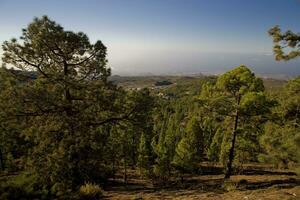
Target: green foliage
{"x": 196, "y": 136}
{"x": 185, "y": 159}
{"x": 189, "y": 150}
{"x": 9, "y": 192}
{"x": 290, "y": 101}
{"x": 71, "y": 77}
{"x": 279, "y": 144}
{"x": 162, "y": 83}
{"x": 224, "y": 148}
{"x": 214, "y": 150}
{"x": 163, "y": 159}
{"x": 255, "y": 104}
{"x": 229, "y": 185}
{"x": 285, "y": 40}
{"x": 280, "y": 141}
{"x": 144, "y": 155}
{"x": 23, "y": 186}
{"x": 239, "y": 81}
{"x": 238, "y": 98}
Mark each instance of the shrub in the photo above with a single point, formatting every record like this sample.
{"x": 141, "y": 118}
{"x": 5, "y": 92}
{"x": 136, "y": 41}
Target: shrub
{"x": 90, "y": 191}
{"x": 229, "y": 185}
{"x": 22, "y": 186}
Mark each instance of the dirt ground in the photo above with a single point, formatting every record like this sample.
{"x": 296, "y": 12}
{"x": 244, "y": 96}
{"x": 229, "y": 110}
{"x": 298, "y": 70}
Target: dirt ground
{"x": 269, "y": 185}
{"x": 260, "y": 194}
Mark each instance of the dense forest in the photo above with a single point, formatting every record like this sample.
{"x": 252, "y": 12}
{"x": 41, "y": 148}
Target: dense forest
{"x": 67, "y": 130}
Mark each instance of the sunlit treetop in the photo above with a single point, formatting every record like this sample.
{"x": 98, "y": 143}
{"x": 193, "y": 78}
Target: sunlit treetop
{"x": 239, "y": 81}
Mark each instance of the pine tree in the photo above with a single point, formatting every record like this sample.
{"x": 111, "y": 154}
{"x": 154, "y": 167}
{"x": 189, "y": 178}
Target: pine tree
{"x": 214, "y": 150}
{"x": 162, "y": 161}
{"x": 237, "y": 94}
{"x": 68, "y": 104}
{"x": 281, "y": 138}
{"x": 285, "y": 41}
{"x": 144, "y": 155}
{"x": 186, "y": 154}
{"x": 195, "y": 132}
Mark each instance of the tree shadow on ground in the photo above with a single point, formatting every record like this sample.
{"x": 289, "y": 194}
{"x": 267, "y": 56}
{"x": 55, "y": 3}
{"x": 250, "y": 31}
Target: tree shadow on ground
{"x": 287, "y": 183}
{"x": 266, "y": 172}
{"x": 218, "y": 170}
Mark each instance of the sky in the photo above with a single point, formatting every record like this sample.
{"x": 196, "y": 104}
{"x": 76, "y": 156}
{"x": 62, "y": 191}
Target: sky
{"x": 169, "y": 36}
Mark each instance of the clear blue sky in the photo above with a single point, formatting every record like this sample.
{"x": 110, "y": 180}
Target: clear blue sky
{"x": 169, "y": 36}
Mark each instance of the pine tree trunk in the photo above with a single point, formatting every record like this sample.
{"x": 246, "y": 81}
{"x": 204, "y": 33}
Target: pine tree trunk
{"x": 113, "y": 169}
{"x": 181, "y": 178}
{"x": 125, "y": 172}
{"x": 231, "y": 152}
{"x": 1, "y": 160}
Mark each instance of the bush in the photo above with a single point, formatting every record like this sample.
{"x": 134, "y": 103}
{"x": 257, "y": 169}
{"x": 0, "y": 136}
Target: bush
{"x": 90, "y": 191}
{"x": 22, "y": 186}
{"x": 9, "y": 191}
{"x": 229, "y": 185}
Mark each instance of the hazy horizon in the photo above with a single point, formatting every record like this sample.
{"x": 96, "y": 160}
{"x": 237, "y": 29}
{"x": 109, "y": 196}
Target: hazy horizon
{"x": 171, "y": 36}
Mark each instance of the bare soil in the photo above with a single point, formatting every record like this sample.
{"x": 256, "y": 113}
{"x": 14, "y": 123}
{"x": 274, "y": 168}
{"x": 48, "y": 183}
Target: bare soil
{"x": 252, "y": 184}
